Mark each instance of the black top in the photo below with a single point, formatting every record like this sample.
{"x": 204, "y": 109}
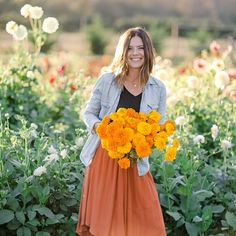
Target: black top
{"x": 128, "y": 100}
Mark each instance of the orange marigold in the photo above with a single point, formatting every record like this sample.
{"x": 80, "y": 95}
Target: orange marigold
{"x": 124, "y": 163}
{"x": 175, "y": 143}
{"x": 170, "y": 154}
{"x": 154, "y": 115}
{"x": 131, "y": 112}
{"x": 101, "y": 130}
{"x": 170, "y": 129}
{"x": 143, "y": 149}
{"x": 144, "y": 128}
{"x": 115, "y": 155}
{"x": 125, "y": 148}
{"x": 142, "y": 116}
{"x": 129, "y": 132}
{"x": 160, "y": 143}
{"x": 121, "y": 112}
{"x": 138, "y": 138}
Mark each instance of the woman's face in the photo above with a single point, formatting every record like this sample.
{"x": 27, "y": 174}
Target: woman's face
{"x": 135, "y": 55}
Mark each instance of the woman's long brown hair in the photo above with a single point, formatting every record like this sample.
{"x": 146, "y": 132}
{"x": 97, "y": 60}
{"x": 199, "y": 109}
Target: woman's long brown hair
{"x": 119, "y": 64}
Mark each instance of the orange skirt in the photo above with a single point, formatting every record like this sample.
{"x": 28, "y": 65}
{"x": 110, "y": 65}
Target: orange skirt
{"x": 118, "y": 202}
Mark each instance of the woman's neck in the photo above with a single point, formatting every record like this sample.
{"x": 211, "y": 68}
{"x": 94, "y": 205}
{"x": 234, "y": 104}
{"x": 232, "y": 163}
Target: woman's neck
{"x": 133, "y": 75}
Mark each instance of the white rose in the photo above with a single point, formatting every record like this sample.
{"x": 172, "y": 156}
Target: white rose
{"x": 40, "y": 170}
{"x": 214, "y": 131}
{"x": 24, "y": 11}
{"x": 221, "y": 79}
{"x": 20, "y": 33}
{"x": 225, "y": 144}
{"x": 198, "y": 139}
{"x": 50, "y": 25}
{"x": 11, "y": 26}
{"x": 36, "y": 12}
{"x": 180, "y": 120}
{"x": 193, "y": 81}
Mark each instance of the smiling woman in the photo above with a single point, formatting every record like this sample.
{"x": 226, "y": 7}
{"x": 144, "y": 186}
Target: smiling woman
{"x": 114, "y": 201}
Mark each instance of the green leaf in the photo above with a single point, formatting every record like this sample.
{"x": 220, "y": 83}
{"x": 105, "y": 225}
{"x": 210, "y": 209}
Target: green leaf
{"x": 191, "y": 229}
{"x": 34, "y": 222}
{"x": 175, "y": 215}
{"x": 20, "y": 216}
{"x": 217, "y": 208}
{"x": 52, "y": 221}
{"x": 12, "y": 203}
{"x": 203, "y": 194}
{"x": 23, "y": 231}
{"x": 44, "y": 211}
{"x": 31, "y": 214}
{"x": 6, "y": 216}
{"x": 231, "y": 219}
{"x": 42, "y": 233}
{"x": 14, "y": 224}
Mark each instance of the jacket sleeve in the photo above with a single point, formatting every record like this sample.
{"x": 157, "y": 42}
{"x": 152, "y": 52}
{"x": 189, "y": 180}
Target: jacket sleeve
{"x": 162, "y": 105}
{"x": 93, "y": 107}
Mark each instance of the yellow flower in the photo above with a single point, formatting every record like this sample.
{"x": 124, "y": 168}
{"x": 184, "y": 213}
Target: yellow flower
{"x": 114, "y": 116}
{"x": 154, "y": 115}
{"x": 142, "y": 116}
{"x": 121, "y": 112}
{"x": 143, "y": 149}
{"x": 170, "y": 154}
{"x": 129, "y": 132}
{"x": 175, "y": 143}
{"x": 170, "y": 128}
{"x": 144, "y": 128}
{"x": 125, "y": 148}
{"x": 160, "y": 143}
{"x": 115, "y": 155}
{"x": 138, "y": 138}
{"x": 124, "y": 163}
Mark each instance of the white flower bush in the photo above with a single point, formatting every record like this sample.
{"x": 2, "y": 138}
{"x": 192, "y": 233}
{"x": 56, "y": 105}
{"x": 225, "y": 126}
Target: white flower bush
{"x": 221, "y": 79}
{"x": 34, "y": 13}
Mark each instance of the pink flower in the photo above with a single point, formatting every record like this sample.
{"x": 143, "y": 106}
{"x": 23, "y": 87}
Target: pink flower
{"x": 52, "y": 79}
{"x": 61, "y": 70}
{"x": 200, "y": 65}
{"x": 215, "y": 48}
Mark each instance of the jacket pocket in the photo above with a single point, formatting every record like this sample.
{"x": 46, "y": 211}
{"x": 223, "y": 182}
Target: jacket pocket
{"x": 152, "y": 106}
{"x": 104, "y": 109}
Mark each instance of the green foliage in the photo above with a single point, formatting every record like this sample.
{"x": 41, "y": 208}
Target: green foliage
{"x": 201, "y": 38}
{"x": 97, "y": 36}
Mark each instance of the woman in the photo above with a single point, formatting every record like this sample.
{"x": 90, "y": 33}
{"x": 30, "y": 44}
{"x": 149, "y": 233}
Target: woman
{"x": 114, "y": 201}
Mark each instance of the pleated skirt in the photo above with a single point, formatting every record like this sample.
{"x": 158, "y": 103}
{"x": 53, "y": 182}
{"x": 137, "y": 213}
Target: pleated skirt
{"x": 118, "y": 202}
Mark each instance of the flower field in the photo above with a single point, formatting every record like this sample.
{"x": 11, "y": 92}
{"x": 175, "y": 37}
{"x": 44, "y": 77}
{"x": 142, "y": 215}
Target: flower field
{"x": 42, "y": 133}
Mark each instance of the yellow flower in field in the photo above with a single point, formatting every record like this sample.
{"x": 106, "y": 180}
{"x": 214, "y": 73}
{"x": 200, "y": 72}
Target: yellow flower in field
{"x": 170, "y": 154}
{"x": 125, "y": 148}
{"x": 170, "y": 128}
{"x": 175, "y": 143}
{"x": 160, "y": 143}
{"x": 162, "y": 135}
{"x": 138, "y": 138}
{"x": 163, "y": 126}
{"x": 154, "y": 115}
{"x": 124, "y": 163}
{"x": 143, "y": 149}
{"x": 144, "y": 128}
{"x": 115, "y": 155}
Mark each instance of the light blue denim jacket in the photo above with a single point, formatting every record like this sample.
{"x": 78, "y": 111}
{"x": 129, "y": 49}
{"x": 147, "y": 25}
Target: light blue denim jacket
{"x": 104, "y": 100}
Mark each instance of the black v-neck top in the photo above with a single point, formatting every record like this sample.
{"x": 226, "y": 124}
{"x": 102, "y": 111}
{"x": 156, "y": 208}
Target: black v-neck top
{"x": 128, "y": 100}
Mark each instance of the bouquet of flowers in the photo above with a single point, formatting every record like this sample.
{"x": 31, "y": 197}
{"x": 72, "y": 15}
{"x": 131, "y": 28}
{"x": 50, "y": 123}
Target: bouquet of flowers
{"x": 128, "y": 135}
